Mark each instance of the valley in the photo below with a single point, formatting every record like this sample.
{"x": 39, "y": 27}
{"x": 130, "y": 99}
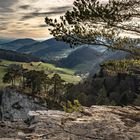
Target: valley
{"x": 82, "y": 59}
{"x": 66, "y": 74}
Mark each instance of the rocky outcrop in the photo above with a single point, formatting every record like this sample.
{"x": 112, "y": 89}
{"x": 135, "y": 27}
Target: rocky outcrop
{"x": 95, "y": 123}
{"x": 15, "y": 106}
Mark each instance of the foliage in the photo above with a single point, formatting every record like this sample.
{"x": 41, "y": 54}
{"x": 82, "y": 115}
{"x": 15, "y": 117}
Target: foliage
{"x": 102, "y": 98}
{"x": 111, "y": 89}
{"x": 137, "y": 101}
{"x": 73, "y": 107}
{"x": 14, "y": 72}
{"x": 57, "y": 86}
{"x": 66, "y": 74}
{"x": 37, "y": 83}
{"x": 7, "y": 78}
{"x": 117, "y": 85}
{"x": 94, "y": 23}
{"x": 36, "y": 80}
{"x": 122, "y": 66}
{"x": 71, "y": 94}
{"x": 16, "y": 56}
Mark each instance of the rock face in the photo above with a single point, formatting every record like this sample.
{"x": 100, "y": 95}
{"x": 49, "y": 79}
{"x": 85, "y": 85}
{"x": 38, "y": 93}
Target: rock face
{"x": 15, "y": 106}
{"x": 96, "y": 123}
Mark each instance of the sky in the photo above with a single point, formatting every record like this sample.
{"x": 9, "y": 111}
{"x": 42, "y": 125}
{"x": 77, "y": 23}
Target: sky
{"x": 25, "y": 18}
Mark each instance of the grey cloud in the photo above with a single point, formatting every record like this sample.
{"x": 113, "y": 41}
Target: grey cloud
{"x": 3, "y": 28}
{"x": 24, "y": 7}
{"x": 5, "y": 5}
{"x": 4, "y": 24}
{"x": 26, "y": 17}
{"x": 63, "y": 8}
{"x": 40, "y": 14}
{"x": 14, "y": 13}
{"x": 53, "y": 11}
{"x": 32, "y": 0}
{"x": 22, "y": 23}
{"x": 42, "y": 26}
{"x": 6, "y": 10}
{"x": 4, "y": 19}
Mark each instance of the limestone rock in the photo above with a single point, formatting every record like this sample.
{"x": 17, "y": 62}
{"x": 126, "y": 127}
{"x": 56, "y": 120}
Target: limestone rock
{"x": 103, "y": 123}
{"x": 15, "y": 106}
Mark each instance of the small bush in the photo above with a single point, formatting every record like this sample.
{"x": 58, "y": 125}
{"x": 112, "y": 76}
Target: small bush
{"x": 73, "y": 107}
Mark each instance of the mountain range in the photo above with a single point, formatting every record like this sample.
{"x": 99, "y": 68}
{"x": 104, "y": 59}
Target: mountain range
{"x": 17, "y": 44}
{"x": 82, "y": 58}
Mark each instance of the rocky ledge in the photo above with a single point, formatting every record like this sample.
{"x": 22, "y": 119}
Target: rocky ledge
{"x": 95, "y": 123}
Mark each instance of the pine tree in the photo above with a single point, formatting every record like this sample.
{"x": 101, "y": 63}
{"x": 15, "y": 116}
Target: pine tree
{"x": 91, "y": 22}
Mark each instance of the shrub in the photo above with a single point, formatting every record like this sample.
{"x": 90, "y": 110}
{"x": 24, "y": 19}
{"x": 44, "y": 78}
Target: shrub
{"x": 73, "y": 107}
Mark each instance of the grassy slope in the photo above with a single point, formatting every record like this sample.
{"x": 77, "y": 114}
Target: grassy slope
{"x": 66, "y": 74}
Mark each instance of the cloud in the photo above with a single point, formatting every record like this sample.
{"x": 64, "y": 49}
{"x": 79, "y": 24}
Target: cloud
{"x": 21, "y": 18}
{"x": 6, "y": 10}
{"x": 62, "y": 8}
{"x": 42, "y": 26}
{"x": 26, "y": 17}
{"x": 40, "y": 14}
{"x": 3, "y": 28}
{"x": 5, "y": 5}
{"x": 52, "y": 11}
{"x": 24, "y": 7}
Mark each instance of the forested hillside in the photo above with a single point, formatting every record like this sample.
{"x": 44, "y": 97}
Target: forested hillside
{"x": 15, "y": 56}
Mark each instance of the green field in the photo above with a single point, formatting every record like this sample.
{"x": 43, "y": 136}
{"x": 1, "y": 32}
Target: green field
{"x": 66, "y": 74}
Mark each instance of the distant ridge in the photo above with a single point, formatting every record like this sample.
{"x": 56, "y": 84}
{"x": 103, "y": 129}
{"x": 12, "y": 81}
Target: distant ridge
{"x": 84, "y": 58}
{"x": 4, "y": 40}
{"x": 44, "y": 48}
{"x": 17, "y": 44}
{"x": 15, "y": 56}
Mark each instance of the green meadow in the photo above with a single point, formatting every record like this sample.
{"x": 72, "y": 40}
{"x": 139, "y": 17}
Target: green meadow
{"x": 66, "y": 74}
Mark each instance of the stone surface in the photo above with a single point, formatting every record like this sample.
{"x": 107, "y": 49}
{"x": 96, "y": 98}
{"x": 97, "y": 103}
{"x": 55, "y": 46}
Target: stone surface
{"x": 15, "y": 106}
{"x": 96, "y": 123}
